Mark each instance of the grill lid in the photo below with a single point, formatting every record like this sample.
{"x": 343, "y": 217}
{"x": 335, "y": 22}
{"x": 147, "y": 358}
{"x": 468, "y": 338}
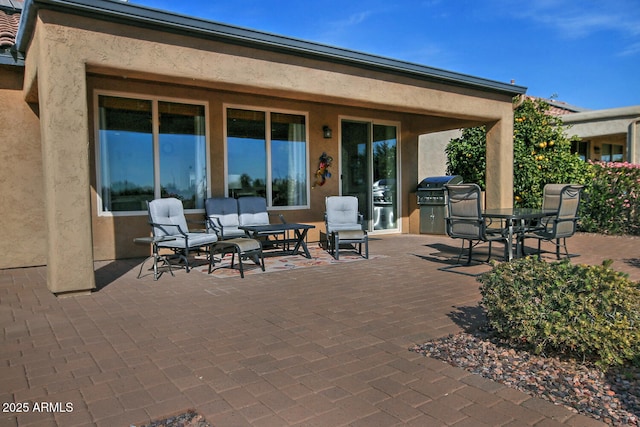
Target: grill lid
{"x": 438, "y": 182}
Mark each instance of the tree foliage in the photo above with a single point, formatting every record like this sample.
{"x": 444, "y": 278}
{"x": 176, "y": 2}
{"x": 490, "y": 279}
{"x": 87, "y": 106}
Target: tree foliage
{"x": 541, "y": 153}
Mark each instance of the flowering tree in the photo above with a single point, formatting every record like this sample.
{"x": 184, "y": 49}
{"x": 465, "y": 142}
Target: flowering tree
{"x": 612, "y": 199}
{"x": 541, "y": 154}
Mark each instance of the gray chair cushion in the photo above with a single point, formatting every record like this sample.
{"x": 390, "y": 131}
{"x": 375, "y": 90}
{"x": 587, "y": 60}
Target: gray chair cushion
{"x": 196, "y": 240}
{"x": 252, "y": 211}
{"x": 170, "y": 213}
{"x": 342, "y": 213}
{"x": 168, "y": 218}
{"x": 223, "y": 211}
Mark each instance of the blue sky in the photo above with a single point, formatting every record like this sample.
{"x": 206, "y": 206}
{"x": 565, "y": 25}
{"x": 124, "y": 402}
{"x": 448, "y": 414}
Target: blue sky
{"x": 582, "y": 52}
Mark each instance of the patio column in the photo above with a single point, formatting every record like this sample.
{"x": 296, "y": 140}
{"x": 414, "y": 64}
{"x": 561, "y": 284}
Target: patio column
{"x": 499, "y": 176}
{"x": 62, "y": 96}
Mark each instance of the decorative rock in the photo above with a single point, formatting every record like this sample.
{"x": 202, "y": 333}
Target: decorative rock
{"x": 612, "y": 397}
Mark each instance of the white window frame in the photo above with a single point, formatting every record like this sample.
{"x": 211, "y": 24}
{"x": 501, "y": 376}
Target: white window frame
{"x": 269, "y": 189}
{"x": 156, "y": 141}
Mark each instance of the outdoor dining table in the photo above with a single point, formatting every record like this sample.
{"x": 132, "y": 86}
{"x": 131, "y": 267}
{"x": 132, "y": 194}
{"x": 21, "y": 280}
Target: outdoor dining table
{"x": 516, "y": 223}
{"x": 300, "y": 231}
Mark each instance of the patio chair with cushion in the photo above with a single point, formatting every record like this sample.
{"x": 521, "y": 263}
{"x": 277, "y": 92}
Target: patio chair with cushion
{"x": 252, "y": 210}
{"x": 565, "y": 198}
{"x": 166, "y": 217}
{"x": 221, "y": 217}
{"x": 344, "y": 225}
{"x": 464, "y": 219}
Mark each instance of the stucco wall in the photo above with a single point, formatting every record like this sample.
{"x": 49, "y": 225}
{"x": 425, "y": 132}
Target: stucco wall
{"x": 113, "y": 235}
{"x": 21, "y": 190}
{"x": 433, "y": 159}
{"x": 67, "y": 53}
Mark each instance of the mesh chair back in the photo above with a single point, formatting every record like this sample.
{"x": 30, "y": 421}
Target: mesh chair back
{"x": 568, "y": 211}
{"x": 252, "y": 210}
{"x": 551, "y": 196}
{"x": 167, "y": 211}
{"x": 342, "y": 213}
{"x": 464, "y": 218}
{"x": 224, "y": 210}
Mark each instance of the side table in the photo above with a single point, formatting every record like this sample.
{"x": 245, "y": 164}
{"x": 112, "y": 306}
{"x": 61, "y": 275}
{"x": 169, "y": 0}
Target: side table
{"x": 155, "y": 256}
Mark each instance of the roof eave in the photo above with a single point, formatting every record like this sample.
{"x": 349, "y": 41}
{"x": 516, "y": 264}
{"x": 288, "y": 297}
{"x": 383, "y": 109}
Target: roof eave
{"x": 11, "y": 57}
{"x": 164, "y": 21}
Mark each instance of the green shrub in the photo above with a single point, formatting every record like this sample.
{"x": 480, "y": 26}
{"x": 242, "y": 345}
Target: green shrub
{"x": 612, "y": 199}
{"x": 578, "y": 311}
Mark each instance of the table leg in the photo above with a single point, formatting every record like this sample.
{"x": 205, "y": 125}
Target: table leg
{"x": 300, "y": 242}
{"x": 156, "y": 258}
{"x": 510, "y": 243}
{"x": 520, "y": 240}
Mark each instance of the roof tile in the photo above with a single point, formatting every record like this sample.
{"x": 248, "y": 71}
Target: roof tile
{"x": 9, "y": 21}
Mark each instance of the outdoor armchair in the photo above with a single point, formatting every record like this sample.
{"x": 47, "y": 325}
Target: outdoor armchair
{"x": 464, "y": 219}
{"x": 221, "y": 216}
{"x": 166, "y": 217}
{"x": 252, "y": 210}
{"x": 343, "y": 224}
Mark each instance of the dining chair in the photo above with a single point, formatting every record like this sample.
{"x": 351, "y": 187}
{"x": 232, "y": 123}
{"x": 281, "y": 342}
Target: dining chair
{"x": 464, "y": 219}
{"x": 556, "y": 229}
{"x": 550, "y": 202}
{"x": 166, "y": 217}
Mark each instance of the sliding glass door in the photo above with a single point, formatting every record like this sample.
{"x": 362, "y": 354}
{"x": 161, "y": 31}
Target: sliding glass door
{"x": 369, "y": 171}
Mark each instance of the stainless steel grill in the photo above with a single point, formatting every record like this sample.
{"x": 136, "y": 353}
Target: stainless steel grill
{"x": 433, "y": 204}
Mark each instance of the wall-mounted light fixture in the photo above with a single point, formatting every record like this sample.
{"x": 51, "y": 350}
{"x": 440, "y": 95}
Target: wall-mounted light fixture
{"x": 326, "y": 132}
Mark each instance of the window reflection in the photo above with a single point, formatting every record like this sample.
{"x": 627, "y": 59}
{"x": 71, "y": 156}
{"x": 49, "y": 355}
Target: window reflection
{"x": 128, "y": 154}
{"x": 257, "y": 158}
{"x": 183, "y": 170}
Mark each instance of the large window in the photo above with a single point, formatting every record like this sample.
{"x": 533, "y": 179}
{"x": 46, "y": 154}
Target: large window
{"x": 581, "y": 148}
{"x": 267, "y": 156}
{"x": 612, "y": 153}
{"x": 149, "y": 149}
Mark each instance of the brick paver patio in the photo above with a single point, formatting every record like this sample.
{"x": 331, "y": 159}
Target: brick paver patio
{"x": 322, "y": 346}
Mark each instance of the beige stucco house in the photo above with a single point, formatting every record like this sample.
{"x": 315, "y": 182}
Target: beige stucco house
{"x": 104, "y": 105}
{"x": 609, "y": 135}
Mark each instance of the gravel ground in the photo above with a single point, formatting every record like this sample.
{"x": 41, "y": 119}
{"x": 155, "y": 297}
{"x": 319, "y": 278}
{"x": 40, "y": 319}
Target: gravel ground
{"x": 186, "y": 419}
{"x": 612, "y": 397}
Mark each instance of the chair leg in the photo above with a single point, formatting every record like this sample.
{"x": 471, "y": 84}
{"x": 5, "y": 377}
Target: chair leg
{"x": 539, "y": 249}
{"x": 470, "y": 251}
{"x": 489, "y": 257}
{"x": 461, "y": 252}
{"x": 240, "y": 263}
{"x": 366, "y": 247}
{"x": 261, "y": 259}
{"x": 566, "y": 250}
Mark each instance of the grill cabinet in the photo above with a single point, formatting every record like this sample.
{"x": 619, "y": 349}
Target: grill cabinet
{"x": 433, "y": 204}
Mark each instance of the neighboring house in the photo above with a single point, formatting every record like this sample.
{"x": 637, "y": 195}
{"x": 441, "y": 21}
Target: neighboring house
{"x": 608, "y": 135}
{"x": 105, "y": 105}
{"x": 611, "y": 135}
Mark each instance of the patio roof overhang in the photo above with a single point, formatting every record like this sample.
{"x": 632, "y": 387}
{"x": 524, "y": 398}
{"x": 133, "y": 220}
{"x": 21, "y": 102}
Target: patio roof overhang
{"x": 159, "y": 20}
